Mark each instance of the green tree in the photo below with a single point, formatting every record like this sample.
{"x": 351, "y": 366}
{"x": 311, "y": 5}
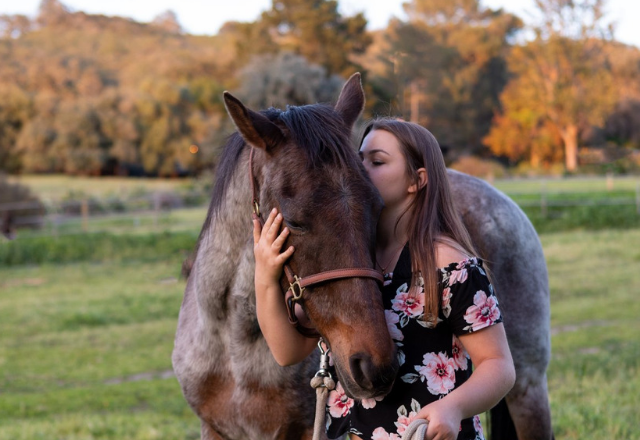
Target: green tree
{"x": 286, "y": 78}
{"x": 316, "y": 30}
{"x": 447, "y": 67}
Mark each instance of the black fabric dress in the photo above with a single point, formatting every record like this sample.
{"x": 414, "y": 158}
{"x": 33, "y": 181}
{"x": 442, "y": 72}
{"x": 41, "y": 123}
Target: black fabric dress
{"x": 433, "y": 362}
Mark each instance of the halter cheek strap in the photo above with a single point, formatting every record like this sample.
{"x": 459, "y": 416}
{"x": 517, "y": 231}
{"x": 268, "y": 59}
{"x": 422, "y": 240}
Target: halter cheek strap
{"x": 297, "y": 285}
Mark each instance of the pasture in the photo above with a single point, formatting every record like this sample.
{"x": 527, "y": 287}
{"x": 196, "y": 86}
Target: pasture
{"x": 86, "y": 333}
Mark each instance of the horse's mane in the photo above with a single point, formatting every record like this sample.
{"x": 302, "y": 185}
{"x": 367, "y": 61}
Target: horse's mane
{"x": 316, "y": 128}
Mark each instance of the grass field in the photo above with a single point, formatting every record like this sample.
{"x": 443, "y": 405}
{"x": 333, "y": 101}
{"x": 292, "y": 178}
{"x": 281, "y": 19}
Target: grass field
{"x": 85, "y": 347}
{"x": 57, "y": 187}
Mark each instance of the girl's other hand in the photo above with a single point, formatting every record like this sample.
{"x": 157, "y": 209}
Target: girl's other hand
{"x": 444, "y": 420}
{"x": 267, "y": 244}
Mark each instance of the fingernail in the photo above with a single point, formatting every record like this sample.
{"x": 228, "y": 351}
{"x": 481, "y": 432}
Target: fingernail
{"x": 274, "y": 210}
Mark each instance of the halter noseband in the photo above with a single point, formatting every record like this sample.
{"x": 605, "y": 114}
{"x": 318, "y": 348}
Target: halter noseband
{"x": 298, "y": 285}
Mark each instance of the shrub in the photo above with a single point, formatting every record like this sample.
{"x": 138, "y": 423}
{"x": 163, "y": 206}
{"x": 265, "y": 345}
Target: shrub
{"x": 19, "y": 208}
{"x": 478, "y": 167}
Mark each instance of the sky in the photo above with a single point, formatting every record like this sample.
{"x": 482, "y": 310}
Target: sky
{"x": 206, "y": 16}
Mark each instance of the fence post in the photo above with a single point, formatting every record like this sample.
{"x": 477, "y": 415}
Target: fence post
{"x": 609, "y": 181}
{"x": 85, "y": 215}
{"x": 543, "y": 199}
{"x": 156, "y": 208}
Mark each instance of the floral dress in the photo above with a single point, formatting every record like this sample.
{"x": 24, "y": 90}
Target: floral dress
{"x": 432, "y": 360}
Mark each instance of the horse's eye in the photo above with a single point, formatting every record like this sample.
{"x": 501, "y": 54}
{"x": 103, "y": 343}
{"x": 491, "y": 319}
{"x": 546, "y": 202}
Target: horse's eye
{"x": 295, "y": 227}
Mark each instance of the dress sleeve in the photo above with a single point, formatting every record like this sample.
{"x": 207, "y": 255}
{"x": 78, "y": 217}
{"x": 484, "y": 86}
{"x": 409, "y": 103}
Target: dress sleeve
{"x": 469, "y": 303}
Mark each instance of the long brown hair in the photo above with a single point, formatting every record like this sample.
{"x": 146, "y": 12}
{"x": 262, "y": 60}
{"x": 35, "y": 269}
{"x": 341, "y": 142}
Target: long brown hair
{"x": 433, "y": 217}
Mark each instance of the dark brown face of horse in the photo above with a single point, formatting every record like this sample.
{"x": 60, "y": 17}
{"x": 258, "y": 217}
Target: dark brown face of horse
{"x": 331, "y": 208}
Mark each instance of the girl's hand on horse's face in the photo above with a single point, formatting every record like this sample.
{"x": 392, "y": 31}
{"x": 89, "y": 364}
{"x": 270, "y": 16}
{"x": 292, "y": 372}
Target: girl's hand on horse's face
{"x": 444, "y": 420}
{"x": 267, "y": 243}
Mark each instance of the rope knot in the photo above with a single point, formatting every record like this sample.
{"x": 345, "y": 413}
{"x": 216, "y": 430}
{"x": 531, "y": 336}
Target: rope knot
{"x": 323, "y": 382}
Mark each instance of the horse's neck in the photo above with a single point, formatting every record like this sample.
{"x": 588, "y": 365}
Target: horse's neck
{"x": 222, "y": 259}
{"x": 225, "y": 291}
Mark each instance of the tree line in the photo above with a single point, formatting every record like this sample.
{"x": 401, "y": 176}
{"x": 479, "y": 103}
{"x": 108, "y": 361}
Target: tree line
{"x": 90, "y": 94}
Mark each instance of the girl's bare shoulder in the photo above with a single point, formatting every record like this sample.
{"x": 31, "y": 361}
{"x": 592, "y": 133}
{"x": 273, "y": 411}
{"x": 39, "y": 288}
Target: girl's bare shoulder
{"x": 447, "y": 253}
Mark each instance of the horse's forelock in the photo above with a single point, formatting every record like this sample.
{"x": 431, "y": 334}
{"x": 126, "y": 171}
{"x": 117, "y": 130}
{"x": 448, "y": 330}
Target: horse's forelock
{"x": 321, "y": 133}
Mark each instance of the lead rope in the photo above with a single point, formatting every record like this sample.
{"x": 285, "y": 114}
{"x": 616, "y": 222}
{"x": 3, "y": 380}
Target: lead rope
{"x": 417, "y": 430}
{"x": 322, "y": 382}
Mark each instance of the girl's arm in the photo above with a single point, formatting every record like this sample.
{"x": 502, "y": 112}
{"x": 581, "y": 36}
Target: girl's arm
{"x": 492, "y": 378}
{"x": 287, "y": 345}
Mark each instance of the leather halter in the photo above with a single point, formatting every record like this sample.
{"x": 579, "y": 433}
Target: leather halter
{"x": 297, "y": 285}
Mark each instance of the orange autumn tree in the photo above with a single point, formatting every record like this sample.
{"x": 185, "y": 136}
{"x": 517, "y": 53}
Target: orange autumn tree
{"x": 562, "y": 84}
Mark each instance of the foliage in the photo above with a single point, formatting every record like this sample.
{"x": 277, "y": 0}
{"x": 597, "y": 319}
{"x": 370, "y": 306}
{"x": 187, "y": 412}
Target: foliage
{"x": 482, "y": 168}
{"x": 563, "y": 85}
{"x": 18, "y": 207}
{"x": 446, "y": 67}
{"x": 317, "y": 31}
{"x": 286, "y": 79}
{"x": 91, "y": 94}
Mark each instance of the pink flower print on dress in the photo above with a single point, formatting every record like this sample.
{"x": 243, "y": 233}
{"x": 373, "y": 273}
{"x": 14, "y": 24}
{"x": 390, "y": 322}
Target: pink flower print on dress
{"x": 407, "y": 303}
{"x": 371, "y": 403}
{"x": 483, "y": 313}
{"x": 459, "y": 354}
{"x": 439, "y": 371}
{"x": 392, "y": 319}
{"x": 458, "y": 276}
{"x": 338, "y": 402}
{"x": 381, "y": 434}
{"x": 446, "y": 302}
{"x": 477, "y": 425}
{"x": 404, "y": 419}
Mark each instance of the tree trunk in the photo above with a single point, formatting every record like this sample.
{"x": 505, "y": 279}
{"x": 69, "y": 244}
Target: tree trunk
{"x": 570, "y": 139}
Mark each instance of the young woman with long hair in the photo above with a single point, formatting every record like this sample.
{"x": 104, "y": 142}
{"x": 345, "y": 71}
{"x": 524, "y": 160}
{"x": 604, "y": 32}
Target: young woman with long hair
{"x": 440, "y": 306}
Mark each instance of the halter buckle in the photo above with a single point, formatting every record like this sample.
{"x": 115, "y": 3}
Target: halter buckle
{"x": 256, "y": 208}
{"x": 292, "y": 286}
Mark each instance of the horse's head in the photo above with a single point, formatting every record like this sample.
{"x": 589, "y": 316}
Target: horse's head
{"x": 305, "y": 166}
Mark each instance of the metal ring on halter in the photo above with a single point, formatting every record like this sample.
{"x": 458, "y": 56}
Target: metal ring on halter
{"x": 292, "y": 286}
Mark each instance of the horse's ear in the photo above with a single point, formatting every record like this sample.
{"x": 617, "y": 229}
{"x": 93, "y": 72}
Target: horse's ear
{"x": 351, "y": 101}
{"x": 256, "y": 129}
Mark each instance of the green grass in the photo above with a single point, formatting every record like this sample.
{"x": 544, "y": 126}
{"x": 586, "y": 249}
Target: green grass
{"x": 85, "y": 346}
{"x": 57, "y": 187}
{"x": 95, "y": 247}
{"x": 85, "y": 350}
{"x": 594, "y": 376}
{"x": 566, "y": 185}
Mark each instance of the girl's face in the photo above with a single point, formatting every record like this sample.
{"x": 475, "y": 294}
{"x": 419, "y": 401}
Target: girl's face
{"x": 386, "y": 165}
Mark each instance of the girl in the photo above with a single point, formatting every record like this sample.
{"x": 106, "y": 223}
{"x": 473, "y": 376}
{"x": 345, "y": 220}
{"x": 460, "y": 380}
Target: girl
{"x": 439, "y": 303}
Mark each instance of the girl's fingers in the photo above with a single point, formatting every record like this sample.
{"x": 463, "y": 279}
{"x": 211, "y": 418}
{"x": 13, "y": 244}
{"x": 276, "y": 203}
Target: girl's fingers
{"x": 256, "y": 231}
{"x": 285, "y": 255}
{"x": 272, "y": 216}
{"x": 280, "y": 239}
{"x": 274, "y": 228}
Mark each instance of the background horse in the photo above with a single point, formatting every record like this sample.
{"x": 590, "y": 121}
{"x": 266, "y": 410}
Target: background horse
{"x": 224, "y": 366}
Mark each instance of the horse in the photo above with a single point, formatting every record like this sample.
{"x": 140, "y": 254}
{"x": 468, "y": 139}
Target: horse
{"x": 277, "y": 158}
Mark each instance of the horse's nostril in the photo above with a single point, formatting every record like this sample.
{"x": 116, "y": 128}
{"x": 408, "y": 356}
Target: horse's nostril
{"x": 362, "y": 370}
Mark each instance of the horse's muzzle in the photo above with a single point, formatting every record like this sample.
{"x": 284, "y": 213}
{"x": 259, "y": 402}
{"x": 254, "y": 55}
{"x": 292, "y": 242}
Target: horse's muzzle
{"x": 374, "y": 380}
